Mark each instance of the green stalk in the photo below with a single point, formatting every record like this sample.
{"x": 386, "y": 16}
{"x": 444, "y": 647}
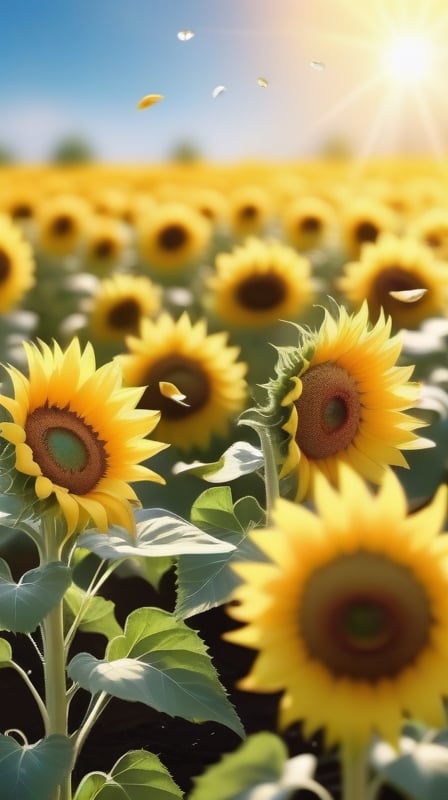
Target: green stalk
{"x": 270, "y": 471}
{"x": 54, "y": 658}
{"x": 354, "y": 771}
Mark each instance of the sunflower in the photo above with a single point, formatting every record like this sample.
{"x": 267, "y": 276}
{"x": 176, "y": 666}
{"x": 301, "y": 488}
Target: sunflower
{"x": 350, "y": 618}
{"x": 396, "y": 264}
{"x": 77, "y": 437}
{"x": 339, "y": 397}
{"x": 61, "y": 221}
{"x": 249, "y": 210}
{"x": 106, "y": 244}
{"x": 308, "y": 222}
{"x": 119, "y": 305}
{"x": 362, "y": 221}
{"x": 259, "y": 283}
{"x": 431, "y": 228}
{"x": 200, "y": 367}
{"x": 171, "y": 237}
{"x": 17, "y": 266}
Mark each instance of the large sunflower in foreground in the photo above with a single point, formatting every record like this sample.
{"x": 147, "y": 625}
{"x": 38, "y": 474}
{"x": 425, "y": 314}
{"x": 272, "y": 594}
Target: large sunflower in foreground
{"x": 397, "y": 264}
{"x": 258, "y": 283}
{"x": 339, "y": 396}
{"x": 77, "y": 437}
{"x": 193, "y": 377}
{"x": 17, "y": 266}
{"x": 351, "y": 617}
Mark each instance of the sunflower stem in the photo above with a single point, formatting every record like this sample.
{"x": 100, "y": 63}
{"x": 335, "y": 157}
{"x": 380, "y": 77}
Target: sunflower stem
{"x": 354, "y": 771}
{"x": 270, "y": 471}
{"x": 54, "y": 658}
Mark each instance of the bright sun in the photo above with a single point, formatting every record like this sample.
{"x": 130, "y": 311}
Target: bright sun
{"x": 407, "y": 59}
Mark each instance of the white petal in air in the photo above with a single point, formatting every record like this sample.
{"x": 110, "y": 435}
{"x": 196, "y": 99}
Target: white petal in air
{"x": 218, "y": 90}
{"x": 408, "y": 295}
{"x": 319, "y": 66}
{"x": 185, "y": 36}
{"x": 263, "y": 82}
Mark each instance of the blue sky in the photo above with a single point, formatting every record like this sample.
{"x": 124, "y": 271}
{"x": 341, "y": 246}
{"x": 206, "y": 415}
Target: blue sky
{"x": 80, "y": 66}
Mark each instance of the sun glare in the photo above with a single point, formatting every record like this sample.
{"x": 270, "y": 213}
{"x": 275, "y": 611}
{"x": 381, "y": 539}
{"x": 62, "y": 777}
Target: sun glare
{"x": 408, "y": 59}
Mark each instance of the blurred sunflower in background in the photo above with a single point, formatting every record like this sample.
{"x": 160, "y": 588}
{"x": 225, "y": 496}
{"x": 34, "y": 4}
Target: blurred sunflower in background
{"x": 339, "y": 396}
{"x": 119, "y": 305}
{"x": 350, "y": 618}
{"x": 258, "y": 283}
{"x": 250, "y": 210}
{"x": 61, "y": 223}
{"x": 106, "y": 245}
{"x": 76, "y": 439}
{"x": 172, "y": 238}
{"x": 397, "y": 264}
{"x": 309, "y": 222}
{"x": 193, "y": 377}
{"x": 431, "y": 228}
{"x": 362, "y": 221}
{"x": 17, "y": 265}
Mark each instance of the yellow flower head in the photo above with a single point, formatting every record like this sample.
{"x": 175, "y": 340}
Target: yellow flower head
{"x": 17, "y": 266}
{"x": 363, "y": 220}
{"x": 350, "y": 618}
{"x": 106, "y": 244}
{"x": 340, "y": 397}
{"x": 171, "y": 237}
{"x": 250, "y": 210}
{"x": 309, "y": 222}
{"x": 179, "y": 359}
{"x": 62, "y": 221}
{"x": 77, "y": 437}
{"x": 397, "y": 264}
{"x": 119, "y": 305}
{"x": 259, "y": 283}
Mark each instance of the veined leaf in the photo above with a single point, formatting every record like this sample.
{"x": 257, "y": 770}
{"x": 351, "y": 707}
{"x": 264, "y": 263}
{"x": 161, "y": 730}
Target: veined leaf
{"x": 24, "y": 605}
{"x": 161, "y": 662}
{"x": 138, "y": 775}
{"x": 98, "y": 615}
{"x": 33, "y": 770}
{"x": 241, "y": 458}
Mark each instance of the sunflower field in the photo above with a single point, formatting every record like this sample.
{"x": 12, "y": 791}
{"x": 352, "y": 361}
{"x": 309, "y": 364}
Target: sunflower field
{"x": 259, "y": 349}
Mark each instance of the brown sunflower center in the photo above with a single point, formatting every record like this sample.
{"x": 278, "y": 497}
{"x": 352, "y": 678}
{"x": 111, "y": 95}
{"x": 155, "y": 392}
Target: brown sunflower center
{"x": 364, "y": 616}
{"x": 329, "y": 411}
{"x": 104, "y": 248}
{"x": 5, "y": 266}
{"x": 125, "y": 315}
{"x": 248, "y": 212}
{"x": 62, "y": 225}
{"x": 21, "y": 211}
{"x": 68, "y": 451}
{"x": 395, "y": 279}
{"x": 366, "y": 232}
{"x": 261, "y": 292}
{"x": 173, "y": 237}
{"x": 310, "y": 224}
{"x": 189, "y": 377}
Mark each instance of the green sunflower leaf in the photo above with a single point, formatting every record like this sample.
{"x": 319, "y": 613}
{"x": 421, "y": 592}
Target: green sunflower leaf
{"x": 241, "y": 458}
{"x": 24, "y": 605}
{"x": 97, "y": 614}
{"x": 422, "y": 774}
{"x": 159, "y": 533}
{"x": 135, "y": 776}
{"x": 259, "y": 760}
{"x": 163, "y": 663}
{"x": 204, "y": 582}
{"x": 33, "y": 770}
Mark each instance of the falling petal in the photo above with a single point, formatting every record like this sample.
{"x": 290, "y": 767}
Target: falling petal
{"x": 319, "y": 66}
{"x": 263, "y": 82}
{"x": 408, "y": 295}
{"x": 171, "y": 391}
{"x": 218, "y": 90}
{"x": 149, "y": 100}
{"x": 185, "y": 36}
